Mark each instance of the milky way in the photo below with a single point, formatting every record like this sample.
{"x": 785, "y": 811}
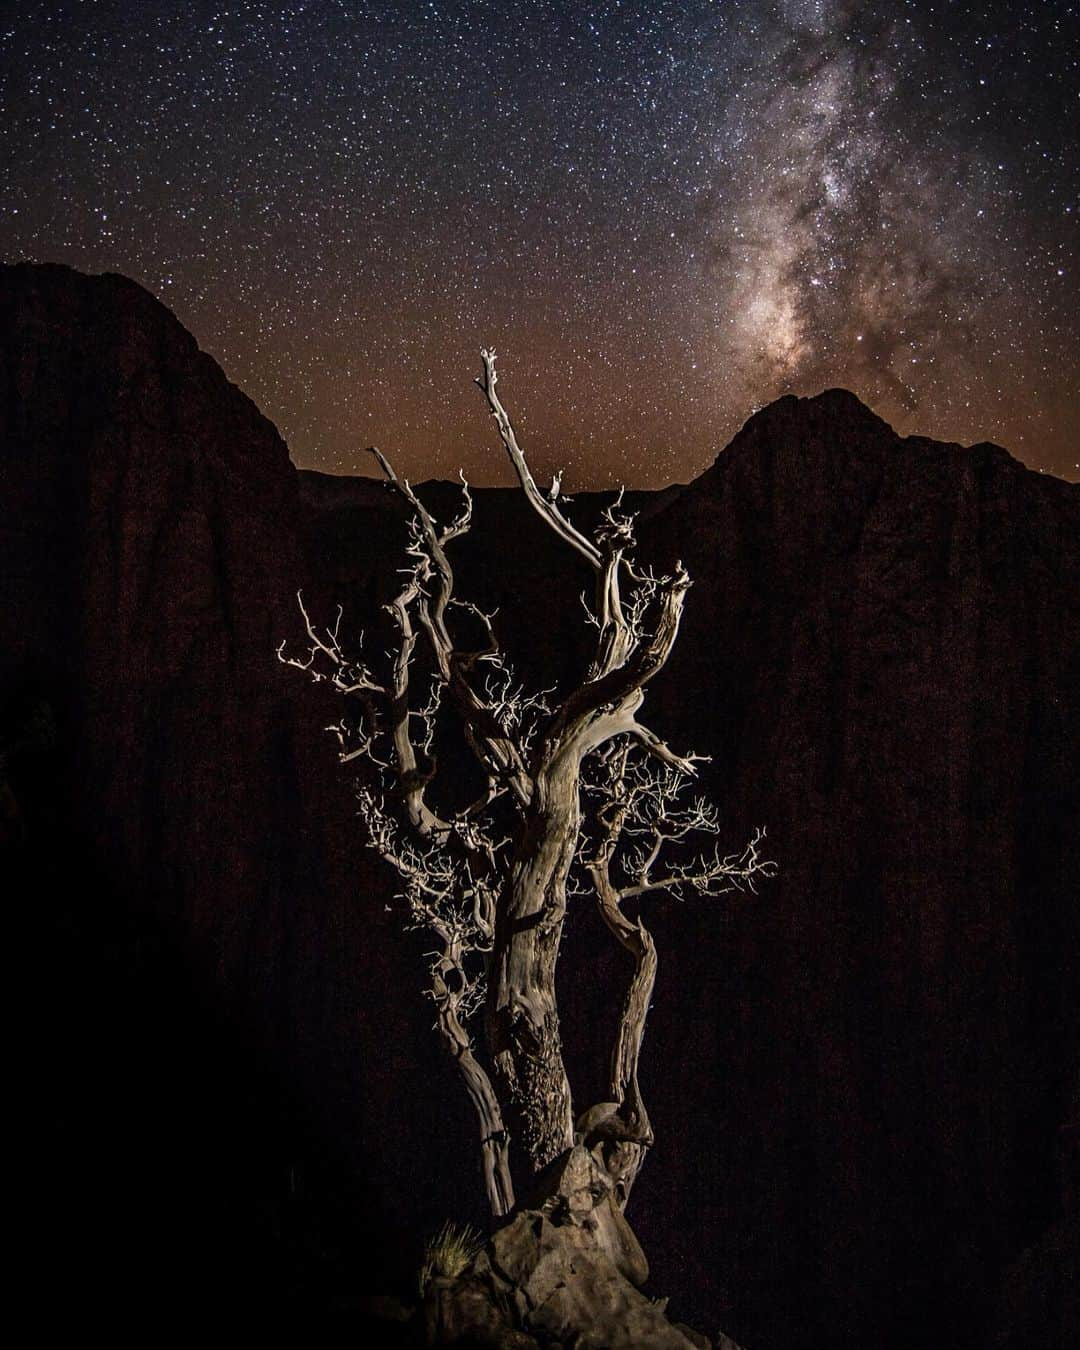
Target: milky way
{"x": 859, "y": 229}
{"x": 662, "y": 215}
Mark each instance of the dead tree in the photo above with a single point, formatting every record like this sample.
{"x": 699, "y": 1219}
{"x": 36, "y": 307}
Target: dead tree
{"x": 579, "y": 795}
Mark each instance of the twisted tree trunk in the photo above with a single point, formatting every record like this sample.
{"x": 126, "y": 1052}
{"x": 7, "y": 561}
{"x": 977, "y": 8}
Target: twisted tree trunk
{"x": 447, "y": 979}
{"x": 625, "y": 1138}
{"x": 523, "y": 1018}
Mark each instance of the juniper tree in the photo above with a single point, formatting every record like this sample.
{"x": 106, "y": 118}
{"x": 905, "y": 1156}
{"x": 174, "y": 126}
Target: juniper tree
{"x": 579, "y": 796}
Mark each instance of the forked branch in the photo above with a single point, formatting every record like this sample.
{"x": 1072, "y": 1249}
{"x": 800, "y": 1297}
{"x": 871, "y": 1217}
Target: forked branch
{"x": 496, "y": 748}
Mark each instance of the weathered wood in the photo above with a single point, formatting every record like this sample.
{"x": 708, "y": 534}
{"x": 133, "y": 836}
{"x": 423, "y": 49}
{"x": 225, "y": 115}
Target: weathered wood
{"x": 522, "y": 1014}
{"x": 624, "y": 1148}
{"x": 494, "y": 1139}
{"x": 491, "y": 880}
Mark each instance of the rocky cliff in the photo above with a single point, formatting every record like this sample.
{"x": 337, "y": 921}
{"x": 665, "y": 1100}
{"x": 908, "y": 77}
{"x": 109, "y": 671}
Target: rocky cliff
{"x": 181, "y": 849}
{"x": 858, "y": 1080}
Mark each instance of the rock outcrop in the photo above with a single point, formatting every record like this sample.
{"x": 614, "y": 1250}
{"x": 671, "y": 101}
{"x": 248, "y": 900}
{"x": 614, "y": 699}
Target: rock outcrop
{"x": 889, "y": 630}
{"x": 565, "y": 1270}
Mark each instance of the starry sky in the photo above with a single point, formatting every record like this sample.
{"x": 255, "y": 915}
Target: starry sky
{"x": 662, "y": 215}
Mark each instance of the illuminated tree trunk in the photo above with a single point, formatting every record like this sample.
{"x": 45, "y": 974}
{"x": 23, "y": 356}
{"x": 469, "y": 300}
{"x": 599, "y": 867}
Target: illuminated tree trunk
{"x": 523, "y": 1018}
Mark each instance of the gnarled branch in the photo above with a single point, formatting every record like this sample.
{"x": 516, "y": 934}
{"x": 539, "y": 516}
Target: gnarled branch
{"x": 639, "y": 800}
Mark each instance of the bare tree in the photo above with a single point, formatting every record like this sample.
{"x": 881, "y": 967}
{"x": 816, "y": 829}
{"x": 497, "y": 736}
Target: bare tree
{"x": 578, "y": 795}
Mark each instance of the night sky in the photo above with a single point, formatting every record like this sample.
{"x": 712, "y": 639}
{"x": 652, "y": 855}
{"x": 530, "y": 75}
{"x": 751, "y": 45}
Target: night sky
{"x": 662, "y": 215}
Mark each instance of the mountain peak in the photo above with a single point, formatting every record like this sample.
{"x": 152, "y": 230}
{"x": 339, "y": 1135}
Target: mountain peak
{"x": 838, "y": 406}
{"x": 837, "y": 423}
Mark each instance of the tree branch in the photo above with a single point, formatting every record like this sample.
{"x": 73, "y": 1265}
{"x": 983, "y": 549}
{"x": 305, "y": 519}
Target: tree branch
{"x": 546, "y": 507}
{"x": 496, "y": 749}
{"x": 660, "y": 750}
{"x": 448, "y": 986}
{"x": 619, "y": 692}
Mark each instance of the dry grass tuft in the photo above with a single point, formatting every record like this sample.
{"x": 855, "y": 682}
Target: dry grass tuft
{"x": 450, "y": 1252}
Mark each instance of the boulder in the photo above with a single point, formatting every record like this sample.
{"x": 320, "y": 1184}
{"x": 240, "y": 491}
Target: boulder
{"x": 564, "y": 1270}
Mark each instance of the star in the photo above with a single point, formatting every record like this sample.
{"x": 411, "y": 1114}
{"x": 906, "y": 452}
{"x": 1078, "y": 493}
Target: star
{"x": 663, "y": 214}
